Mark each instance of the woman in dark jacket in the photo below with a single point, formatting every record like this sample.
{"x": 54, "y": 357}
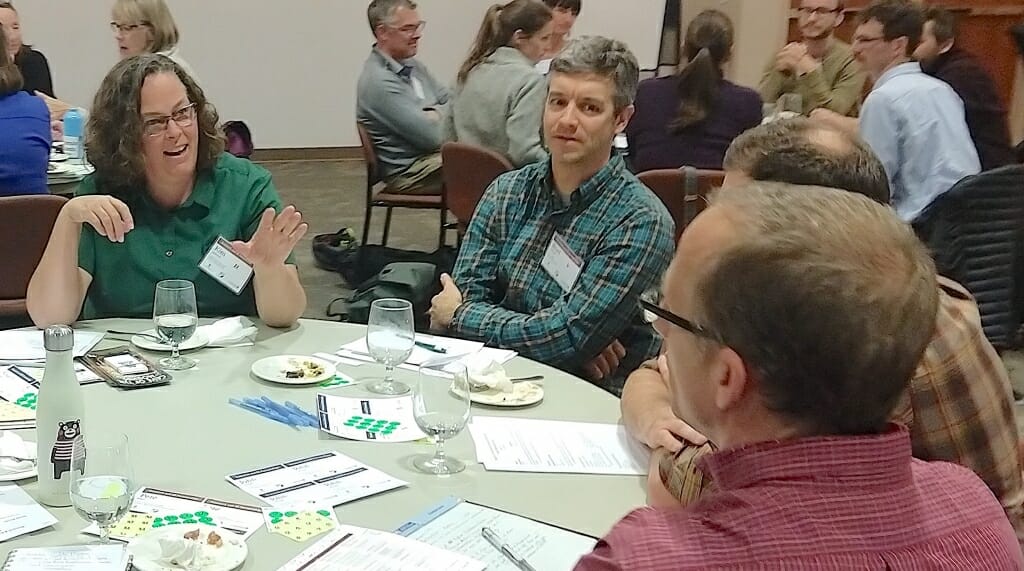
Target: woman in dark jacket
{"x": 35, "y": 70}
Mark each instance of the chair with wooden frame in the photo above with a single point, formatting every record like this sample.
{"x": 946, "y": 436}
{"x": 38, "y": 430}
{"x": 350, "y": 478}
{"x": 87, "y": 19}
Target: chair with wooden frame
{"x": 684, "y": 191}
{"x": 380, "y": 197}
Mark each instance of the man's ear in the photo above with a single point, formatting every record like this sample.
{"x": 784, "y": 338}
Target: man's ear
{"x": 622, "y": 118}
{"x": 948, "y": 45}
{"x": 731, "y": 378}
{"x": 839, "y": 20}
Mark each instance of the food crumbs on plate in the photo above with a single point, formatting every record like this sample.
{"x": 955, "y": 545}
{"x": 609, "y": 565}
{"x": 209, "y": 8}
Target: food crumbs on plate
{"x": 302, "y": 369}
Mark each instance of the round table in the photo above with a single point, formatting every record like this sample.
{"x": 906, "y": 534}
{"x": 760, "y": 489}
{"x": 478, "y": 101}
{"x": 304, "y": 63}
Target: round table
{"x": 186, "y": 437}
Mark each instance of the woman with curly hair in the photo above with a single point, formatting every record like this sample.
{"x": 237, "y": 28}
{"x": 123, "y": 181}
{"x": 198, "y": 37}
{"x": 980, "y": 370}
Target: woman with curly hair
{"x": 162, "y": 194}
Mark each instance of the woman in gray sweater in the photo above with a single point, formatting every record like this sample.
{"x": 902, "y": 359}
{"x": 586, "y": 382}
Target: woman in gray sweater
{"x": 499, "y": 96}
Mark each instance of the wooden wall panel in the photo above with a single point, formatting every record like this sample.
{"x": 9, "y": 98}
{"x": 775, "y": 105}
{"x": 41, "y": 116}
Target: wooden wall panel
{"x": 984, "y": 31}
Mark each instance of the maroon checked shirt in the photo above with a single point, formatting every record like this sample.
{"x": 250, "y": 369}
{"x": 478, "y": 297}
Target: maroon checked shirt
{"x": 821, "y": 503}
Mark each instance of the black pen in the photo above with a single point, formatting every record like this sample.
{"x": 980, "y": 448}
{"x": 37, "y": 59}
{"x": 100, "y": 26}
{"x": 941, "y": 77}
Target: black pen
{"x": 429, "y": 347}
{"x": 494, "y": 540}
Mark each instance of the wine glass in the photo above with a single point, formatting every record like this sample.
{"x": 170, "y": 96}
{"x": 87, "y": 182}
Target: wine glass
{"x": 440, "y": 406}
{"x": 102, "y": 486}
{"x": 390, "y": 338}
{"x": 176, "y": 318}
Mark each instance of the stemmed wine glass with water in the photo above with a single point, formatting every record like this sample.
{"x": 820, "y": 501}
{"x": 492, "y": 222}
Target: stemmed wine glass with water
{"x": 102, "y": 484}
{"x": 390, "y": 338}
{"x": 440, "y": 406}
{"x": 176, "y": 317}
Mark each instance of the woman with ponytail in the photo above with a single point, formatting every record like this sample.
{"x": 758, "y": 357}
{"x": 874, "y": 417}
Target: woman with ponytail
{"x": 499, "y": 96}
{"x": 690, "y": 118}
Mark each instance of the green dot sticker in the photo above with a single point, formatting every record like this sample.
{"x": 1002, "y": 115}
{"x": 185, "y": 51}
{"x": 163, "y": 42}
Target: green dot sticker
{"x": 386, "y": 432}
{"x": 394, "y": 423}
{"x": 291, "y": 514}
{"x": 324, "y": 513}
{"x": 171, "y": 518}
{"x": 202, "y": 513}
{"x": 158, "y": 522}
{"x": 356, "y": 417}
{"x": 275, "y": 514}
{"x": 186, "y": 516}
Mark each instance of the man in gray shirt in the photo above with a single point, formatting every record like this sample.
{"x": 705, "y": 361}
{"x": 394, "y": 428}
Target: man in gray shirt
{"x": 399, "y": 102}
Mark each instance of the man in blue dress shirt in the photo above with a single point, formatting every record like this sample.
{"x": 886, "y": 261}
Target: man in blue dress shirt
{"x": 559, "y": 252}
{"x": 912, "y": 121}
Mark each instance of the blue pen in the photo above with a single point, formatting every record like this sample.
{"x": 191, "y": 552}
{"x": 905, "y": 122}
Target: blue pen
{"x": 282, "y": 410}
{"x": 261, "y": 411}
{"x": 313, "y": 422}
{"x": 299, "y": 419}
{"x": 265, "y": 413}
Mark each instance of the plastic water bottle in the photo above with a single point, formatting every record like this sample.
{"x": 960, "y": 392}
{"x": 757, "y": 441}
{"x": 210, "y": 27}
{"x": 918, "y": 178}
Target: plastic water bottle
{"x": 59, "y": 419}
{"x": 74, "y": 127}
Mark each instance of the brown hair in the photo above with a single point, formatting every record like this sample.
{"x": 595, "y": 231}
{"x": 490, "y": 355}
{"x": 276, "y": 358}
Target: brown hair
{"x": 573, "y": 6}
{"x": 899, "y": 19}
{"x": 10, "y": 76}
{"x": 829, "y": 299}
{"x": 943, "y": 23}
{"x": 500, "y": 25}
{"x": 708, "y": 45}
{"x": 802, "y": 151}
{"x": 114, "y": 131}
{"x": 155, "y": 15}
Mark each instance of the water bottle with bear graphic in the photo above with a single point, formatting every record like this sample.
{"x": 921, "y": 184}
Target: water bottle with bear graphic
{"x": 59, "y": 419}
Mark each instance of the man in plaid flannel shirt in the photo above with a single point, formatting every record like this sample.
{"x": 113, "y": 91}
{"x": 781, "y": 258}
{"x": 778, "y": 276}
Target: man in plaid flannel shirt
{"x": 958, "y": 407}
{"x": 558, "y": 253}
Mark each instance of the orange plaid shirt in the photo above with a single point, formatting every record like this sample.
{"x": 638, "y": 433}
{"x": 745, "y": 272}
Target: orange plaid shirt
{"x": 959, "y": 408}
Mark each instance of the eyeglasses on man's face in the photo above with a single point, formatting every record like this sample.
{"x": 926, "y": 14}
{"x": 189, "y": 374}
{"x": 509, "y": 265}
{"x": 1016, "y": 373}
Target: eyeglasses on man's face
{"x": 156, "y": 126}
{"x": 863, "y": 40}
{"x": 650, "y": 303}
{"x": 409, "y": 29}
{"x": 818, "y": 11}
{"x": 125, "y": 28}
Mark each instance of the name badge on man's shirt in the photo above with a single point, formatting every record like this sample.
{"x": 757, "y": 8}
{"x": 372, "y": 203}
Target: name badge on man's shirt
{"x": 224, "y": 265}
{"x": 561, "y": 263}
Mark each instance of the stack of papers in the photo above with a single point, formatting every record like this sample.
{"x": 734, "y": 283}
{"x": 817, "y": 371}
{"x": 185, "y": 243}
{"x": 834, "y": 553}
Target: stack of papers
{"x": 70, "y": 558}
{"x": 27, "y": 345}
{"x": 17, "y": 400}
{"x": 351, "y": 548}
{"x": 552, "y": 446}
{"x": 20, "y": 514}
{"x": 456, "y": 525}
{"x": 328, "y": 479}
{"x": 446, "y": 350}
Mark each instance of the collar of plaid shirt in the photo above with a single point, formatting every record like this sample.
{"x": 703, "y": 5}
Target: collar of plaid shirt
{"x": 588, "y": 192}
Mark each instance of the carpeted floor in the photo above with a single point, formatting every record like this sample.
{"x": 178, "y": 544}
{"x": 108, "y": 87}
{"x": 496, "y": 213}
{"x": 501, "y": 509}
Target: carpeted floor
{"x": 331, "y": 195}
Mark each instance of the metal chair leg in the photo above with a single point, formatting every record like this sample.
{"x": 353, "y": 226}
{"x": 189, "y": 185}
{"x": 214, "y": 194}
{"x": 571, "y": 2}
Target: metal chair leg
{"x": 442, "y": 233}
{"x": 366, "y": 223}
{"x": 387, "y": 228}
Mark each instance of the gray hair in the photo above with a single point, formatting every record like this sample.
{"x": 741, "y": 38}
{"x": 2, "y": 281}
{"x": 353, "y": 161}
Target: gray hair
{"x": 380, "y": 11}
{"x": 604, "y": 57}
{"x": 829, "y": 299}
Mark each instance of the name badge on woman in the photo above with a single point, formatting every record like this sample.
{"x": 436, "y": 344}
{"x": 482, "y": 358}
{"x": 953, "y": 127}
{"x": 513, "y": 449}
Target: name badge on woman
{"x": 561, "y": 263}
{"x": 224, "y": 265}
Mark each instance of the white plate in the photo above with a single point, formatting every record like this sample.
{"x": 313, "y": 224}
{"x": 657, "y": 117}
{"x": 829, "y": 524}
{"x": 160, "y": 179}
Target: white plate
{"x": 56, "y": 157}
{"x": 523, "y": 394}
{"x": 145, "y": 549}
{"x": 198, "y": 340}
{"x": 273, "y": 369}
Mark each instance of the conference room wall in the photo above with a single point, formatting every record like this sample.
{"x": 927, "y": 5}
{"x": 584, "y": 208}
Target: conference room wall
{"x": 287, "y": 68}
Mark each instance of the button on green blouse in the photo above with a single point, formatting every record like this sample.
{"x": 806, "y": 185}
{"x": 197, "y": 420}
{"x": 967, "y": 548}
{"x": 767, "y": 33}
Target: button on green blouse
{"x": 227, "y": 201}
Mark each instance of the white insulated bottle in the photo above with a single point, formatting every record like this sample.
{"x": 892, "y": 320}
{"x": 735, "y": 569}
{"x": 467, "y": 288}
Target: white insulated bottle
{"x": 59, "y": 419}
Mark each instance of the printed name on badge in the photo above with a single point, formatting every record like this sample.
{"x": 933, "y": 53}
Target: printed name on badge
{"x": 224, "y": 265}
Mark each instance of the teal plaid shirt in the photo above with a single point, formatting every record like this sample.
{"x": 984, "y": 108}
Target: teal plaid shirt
{"x": 613, "y": 222}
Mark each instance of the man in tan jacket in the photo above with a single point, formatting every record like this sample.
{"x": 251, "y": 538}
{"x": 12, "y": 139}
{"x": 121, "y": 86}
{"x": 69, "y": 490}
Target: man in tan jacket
{"x": 821, "y": 69}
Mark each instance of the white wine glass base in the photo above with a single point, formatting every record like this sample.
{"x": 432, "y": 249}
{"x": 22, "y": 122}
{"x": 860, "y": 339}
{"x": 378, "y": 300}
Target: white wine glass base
{"x": 177, "y": 363}
{"x": 438, "y": 466}
{"x": 388, "y": 385}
